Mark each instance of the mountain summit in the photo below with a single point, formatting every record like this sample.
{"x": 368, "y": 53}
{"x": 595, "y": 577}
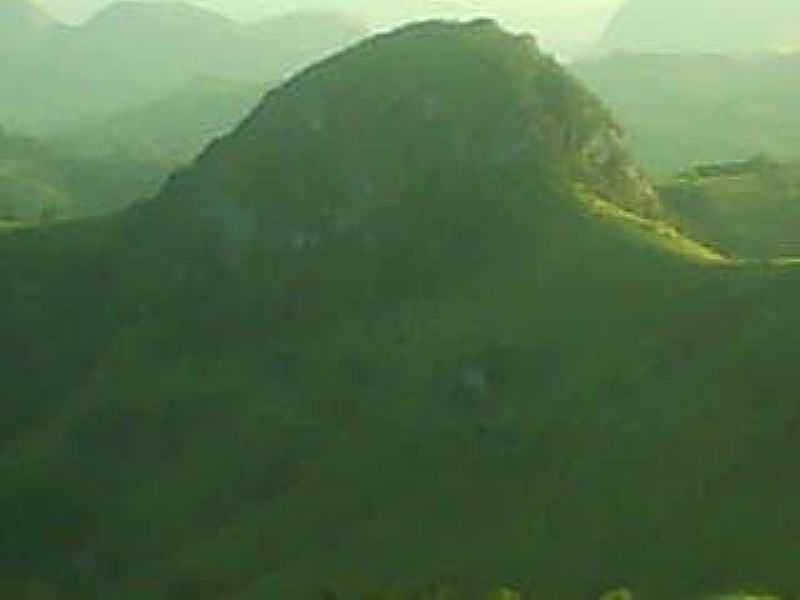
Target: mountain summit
{"x": 402, "y": 113}
{"x": 705, "y": 26}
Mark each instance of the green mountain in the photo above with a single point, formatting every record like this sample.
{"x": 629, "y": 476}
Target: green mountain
{"x": 38, "y": 182}
{"x": 96, "y": 69}
{"x": 680, "y": 109}
{"x": 411, "y": 320}
{"x": 697, "y": 26}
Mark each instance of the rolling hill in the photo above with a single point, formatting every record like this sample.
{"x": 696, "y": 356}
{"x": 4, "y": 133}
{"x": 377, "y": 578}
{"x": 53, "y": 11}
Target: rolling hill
{"x": 98, "y": 68}
{"x": 413, "y": 319}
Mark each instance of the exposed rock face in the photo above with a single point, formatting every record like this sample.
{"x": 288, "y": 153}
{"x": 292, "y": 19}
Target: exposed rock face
{"x": 610, "y": 172}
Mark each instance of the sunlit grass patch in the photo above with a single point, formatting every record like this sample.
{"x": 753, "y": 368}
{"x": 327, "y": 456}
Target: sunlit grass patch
{"x": 659, "y": 232}
{"x": 786, "y": 261}
{"x": 7, "y": 226}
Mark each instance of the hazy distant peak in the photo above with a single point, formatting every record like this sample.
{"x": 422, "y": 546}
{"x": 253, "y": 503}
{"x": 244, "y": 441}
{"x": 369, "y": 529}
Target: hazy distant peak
{"x": 704, "y": 26}
{"x": 130, "y": 12}
{"x": 23, "y": 14}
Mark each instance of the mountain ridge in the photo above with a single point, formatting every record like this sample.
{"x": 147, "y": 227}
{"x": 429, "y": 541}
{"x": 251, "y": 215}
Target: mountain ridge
{"x": 89, "y": 71}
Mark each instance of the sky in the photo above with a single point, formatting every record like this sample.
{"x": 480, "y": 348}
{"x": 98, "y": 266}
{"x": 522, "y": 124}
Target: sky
{"x": 561, "y": 21}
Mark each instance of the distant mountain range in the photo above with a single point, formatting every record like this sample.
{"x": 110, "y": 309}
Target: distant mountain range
{"x": 57, "y": 76}
{"x": 723, "y": 26}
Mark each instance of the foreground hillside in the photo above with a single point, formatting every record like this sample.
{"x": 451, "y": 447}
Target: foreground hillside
{"x": 457, "y": 348}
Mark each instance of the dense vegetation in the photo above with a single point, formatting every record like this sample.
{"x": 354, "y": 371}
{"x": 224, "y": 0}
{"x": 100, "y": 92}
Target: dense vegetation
{"x": 410, "y": 321}
{"x": 680, "y": 109}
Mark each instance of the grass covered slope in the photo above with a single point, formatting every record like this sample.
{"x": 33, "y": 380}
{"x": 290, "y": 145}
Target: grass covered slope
{"x": 410, "y": 356}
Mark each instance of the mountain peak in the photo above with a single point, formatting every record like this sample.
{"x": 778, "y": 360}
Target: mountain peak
{"x": 390, "y": 119}
{"x": 129, "y": 12}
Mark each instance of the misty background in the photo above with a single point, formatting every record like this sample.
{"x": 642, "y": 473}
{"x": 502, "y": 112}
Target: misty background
{"x": 561, "y": 24}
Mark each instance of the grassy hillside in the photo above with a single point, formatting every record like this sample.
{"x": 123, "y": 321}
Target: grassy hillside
{"x": 696, "y": 108}
{"x": 420, "y": 356}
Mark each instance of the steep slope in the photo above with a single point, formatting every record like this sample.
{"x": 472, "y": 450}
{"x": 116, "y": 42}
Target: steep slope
{"x": 699, "y": 108}
{"x": 100, "y": 67}
{"x": 377, "y": 333}
{"x": 704, "y": 26}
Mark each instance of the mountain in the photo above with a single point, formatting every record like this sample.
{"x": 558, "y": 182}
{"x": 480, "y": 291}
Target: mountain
{"x": 680, "y": 109}
{"x": 39, "y": 182}
{"x": 413, "y": 319}
{"x": 697, "y": 26}
{"x": 93, "y": 70}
